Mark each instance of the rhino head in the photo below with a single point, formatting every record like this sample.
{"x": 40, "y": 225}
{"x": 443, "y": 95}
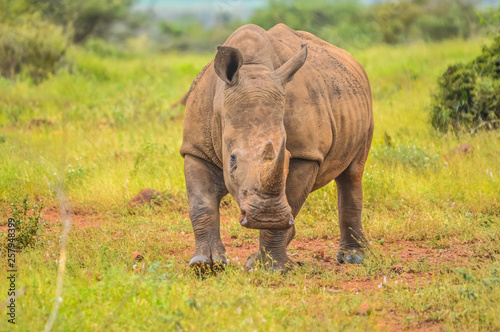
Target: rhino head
{"x": 250, "y": 105}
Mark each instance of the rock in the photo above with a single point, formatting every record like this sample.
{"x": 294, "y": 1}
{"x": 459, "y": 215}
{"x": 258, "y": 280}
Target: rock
{"x": 319, "y": 254}
{"x": 145, "y": 196}
{"x": 137, "y": 256}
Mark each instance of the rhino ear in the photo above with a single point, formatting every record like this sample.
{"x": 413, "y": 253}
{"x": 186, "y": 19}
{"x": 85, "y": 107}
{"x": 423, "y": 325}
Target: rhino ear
{"x": 227, "y": 63}
{"x": 288, "y": 69}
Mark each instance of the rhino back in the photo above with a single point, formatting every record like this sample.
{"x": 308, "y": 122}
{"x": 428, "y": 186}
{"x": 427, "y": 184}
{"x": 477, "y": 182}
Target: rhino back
{"x": 329, "y": 113}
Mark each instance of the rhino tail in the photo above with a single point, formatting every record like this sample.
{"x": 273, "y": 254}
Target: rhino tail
{"x": 181, "y": 101}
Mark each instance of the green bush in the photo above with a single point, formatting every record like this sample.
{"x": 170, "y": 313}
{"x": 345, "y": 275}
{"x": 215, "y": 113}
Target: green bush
{"x": 31, "y": 46}
{"x": 468, "y": 95}
{"x": 27, "y": 220}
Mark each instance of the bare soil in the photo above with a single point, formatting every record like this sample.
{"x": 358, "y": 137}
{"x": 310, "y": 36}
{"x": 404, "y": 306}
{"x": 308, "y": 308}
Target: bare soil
{"x": 321, "y": 253}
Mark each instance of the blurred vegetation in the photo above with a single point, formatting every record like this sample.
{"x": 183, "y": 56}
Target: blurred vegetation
{"x": 31, "y": 46}
{"x": 35, "y": 34}
{"x": 82, "y": 18}
{"x": 490, "y": 20}
{"x": 346, "y": 23}
{"x": 353, "y": 24}
{"x": 468, "y": 95}
{"x": 189, "y": 34}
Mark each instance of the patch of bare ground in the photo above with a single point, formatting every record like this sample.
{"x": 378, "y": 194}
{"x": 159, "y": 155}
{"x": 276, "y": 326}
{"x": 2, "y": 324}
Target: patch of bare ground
{"x": 318, "y": 252}
{"x": 80, "y": 219}
{"x": 321, "y": 253}
{"x": 392, "y": 324}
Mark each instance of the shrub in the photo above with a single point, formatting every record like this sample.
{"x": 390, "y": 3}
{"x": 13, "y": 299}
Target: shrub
{"x": 468, "y": 96}
{"x": 31, "y": 46}
{"x": 27, "y": 223}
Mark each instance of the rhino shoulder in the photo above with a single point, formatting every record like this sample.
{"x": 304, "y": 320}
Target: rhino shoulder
{"x": 198, "y": 137}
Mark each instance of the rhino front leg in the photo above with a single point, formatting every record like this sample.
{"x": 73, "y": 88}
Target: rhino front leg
{"x": 273, "y": 243}
{"x": 350, "y": 204}
{"x": 205, "y": 188}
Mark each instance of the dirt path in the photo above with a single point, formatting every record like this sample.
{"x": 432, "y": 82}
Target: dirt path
{"x": 321, "y": 253}
{"x": 318, "y": 252}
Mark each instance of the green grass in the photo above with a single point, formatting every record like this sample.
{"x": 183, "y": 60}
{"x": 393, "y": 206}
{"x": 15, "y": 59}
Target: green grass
{"x": 112, "y": 133}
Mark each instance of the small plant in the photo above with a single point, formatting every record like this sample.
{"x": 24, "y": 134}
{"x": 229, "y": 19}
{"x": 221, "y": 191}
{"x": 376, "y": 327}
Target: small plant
{"x": 408, "y": 155}
{"x": 28, "y": 223}
{"x": 150, "y": 159}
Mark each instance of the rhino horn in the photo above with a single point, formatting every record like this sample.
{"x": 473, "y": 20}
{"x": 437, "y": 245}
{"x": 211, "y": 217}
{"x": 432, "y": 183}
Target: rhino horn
{"x": 268, "y": 151}
{"x": 288, "y": 69}
{"x": 273, "y": 178}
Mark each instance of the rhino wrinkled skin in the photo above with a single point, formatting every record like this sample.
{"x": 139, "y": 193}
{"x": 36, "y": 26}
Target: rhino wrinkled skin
{"x": 276, "y": 115}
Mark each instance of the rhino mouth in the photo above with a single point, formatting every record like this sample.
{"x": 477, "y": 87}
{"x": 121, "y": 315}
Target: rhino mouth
{"x": 254, "y": 223}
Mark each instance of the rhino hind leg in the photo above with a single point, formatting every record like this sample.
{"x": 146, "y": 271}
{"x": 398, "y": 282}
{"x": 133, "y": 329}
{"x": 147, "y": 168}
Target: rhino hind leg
{"x": 205, "y": 188}
{"x": 273, "y": 243}
{"x": 350, "y": 203}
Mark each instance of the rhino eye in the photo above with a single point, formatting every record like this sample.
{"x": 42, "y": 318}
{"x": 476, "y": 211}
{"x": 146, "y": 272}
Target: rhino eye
{"x": 232, "y": 162}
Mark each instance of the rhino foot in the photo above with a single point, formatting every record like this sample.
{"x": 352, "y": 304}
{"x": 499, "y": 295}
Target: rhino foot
{"x": 354, "y": 256}
{"x": 203, "y": 264}
{"x": 200, "y": 264}
{"x": 267, "y": 262}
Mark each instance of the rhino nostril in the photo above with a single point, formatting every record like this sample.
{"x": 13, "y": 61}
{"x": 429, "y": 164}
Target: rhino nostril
{"x": 244, "y": 221}
{"x": 243, "y": 215}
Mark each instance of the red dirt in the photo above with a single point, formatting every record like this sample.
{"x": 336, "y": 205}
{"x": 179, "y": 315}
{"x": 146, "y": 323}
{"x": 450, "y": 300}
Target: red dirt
{"x": 320, "y": 252}
{"x": 53, "y": 215}
{"x": 311, "y": 251}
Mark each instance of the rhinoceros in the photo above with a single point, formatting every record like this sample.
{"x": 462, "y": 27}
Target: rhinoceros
{"x": 269, "y": 134}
